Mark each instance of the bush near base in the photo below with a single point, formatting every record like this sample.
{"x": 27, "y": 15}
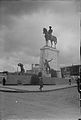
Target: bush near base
{"x": 34, "y": 79}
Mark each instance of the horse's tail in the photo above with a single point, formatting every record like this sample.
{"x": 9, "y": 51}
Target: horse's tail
{"x": 55, "y": 39}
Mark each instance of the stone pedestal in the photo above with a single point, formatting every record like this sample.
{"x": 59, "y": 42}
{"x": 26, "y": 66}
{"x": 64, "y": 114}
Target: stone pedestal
{"x": 49, "y": 53}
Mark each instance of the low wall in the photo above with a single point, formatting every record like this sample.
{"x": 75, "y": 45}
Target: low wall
{"x": 13, "y": 79}
{"x": 48, "y": 81}
{"x": 26, "y": 79}
{"x": 1, "y": 78}
{"x": 63, "y": 81}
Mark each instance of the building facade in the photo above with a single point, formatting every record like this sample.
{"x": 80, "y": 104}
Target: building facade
{"x": 73, "y": 70}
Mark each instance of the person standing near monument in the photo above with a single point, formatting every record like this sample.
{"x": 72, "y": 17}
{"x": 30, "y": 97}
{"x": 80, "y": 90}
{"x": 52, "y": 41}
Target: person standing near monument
{"x": 69, "y": 81}
{"x": 4, "y": 80}
{"x": 40, "y": 80}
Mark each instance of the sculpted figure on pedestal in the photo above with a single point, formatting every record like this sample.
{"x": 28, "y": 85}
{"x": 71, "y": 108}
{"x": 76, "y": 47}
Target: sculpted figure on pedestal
{"x": 47, "y": 66}
{"x": 49, "y": 36}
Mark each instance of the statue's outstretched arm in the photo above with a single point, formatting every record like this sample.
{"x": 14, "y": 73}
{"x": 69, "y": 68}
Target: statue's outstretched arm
{"x": 50, "y": 60}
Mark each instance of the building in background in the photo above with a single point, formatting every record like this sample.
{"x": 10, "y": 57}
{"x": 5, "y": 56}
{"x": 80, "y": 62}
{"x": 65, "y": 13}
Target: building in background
{"x": 35, "y": 69}
{"x": 68, "y": 71}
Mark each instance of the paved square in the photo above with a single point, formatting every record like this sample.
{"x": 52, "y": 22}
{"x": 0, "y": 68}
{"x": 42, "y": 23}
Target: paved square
{"x": 56, "y": 105}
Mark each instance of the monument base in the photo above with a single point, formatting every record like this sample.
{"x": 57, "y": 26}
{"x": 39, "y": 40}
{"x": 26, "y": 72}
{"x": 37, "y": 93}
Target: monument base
{"x": 59, "y": 74}
{"x": 46, "y": 74}
{"x": 50, "y": 54}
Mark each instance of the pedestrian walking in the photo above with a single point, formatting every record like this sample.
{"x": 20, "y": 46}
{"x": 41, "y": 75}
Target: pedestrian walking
{"x": 78, "y": 84}
{"x": 4, "y": 80}
{"x": 69, "y": 81}
{"x": 40, "y": 80}
{"x": 78, "y": 79}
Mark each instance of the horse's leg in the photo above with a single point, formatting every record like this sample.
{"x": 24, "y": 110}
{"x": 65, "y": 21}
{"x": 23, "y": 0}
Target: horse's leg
{"x": 49, "y": 69}
{"x": 51, "y": 43}
{"x": 46, "y": 42}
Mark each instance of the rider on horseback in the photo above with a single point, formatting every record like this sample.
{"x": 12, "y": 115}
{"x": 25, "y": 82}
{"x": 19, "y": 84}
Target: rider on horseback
{"x": 50, "y": 30}
{"x": 49, "y": 36}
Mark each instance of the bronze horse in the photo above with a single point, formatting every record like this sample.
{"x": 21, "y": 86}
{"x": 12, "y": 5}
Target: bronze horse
{"x": 50, "y": 37}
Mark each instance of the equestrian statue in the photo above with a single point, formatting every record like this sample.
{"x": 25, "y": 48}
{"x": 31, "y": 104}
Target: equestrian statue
{"x": 49, "y": 36}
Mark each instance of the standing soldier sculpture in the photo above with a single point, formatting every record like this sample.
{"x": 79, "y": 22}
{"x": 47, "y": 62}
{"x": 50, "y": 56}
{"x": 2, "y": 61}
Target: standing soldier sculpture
{"x": 47, "y": 66}
{"x": 49, "y": 36}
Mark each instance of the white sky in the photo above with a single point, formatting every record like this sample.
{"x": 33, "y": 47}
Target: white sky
{"x": 21, "y": 32}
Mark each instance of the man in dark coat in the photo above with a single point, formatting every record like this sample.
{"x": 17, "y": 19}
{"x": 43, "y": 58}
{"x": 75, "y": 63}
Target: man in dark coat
{"x": 4, "y": 80}
{"x": 40, "y": 80}
{"x": 69, "y": 81}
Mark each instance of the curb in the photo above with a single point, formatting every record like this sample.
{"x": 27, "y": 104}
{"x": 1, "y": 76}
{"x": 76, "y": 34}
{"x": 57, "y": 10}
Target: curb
{"x": 27, "y": 91}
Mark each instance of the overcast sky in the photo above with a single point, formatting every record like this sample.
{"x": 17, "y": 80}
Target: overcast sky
{"x": 21, "y": 34}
